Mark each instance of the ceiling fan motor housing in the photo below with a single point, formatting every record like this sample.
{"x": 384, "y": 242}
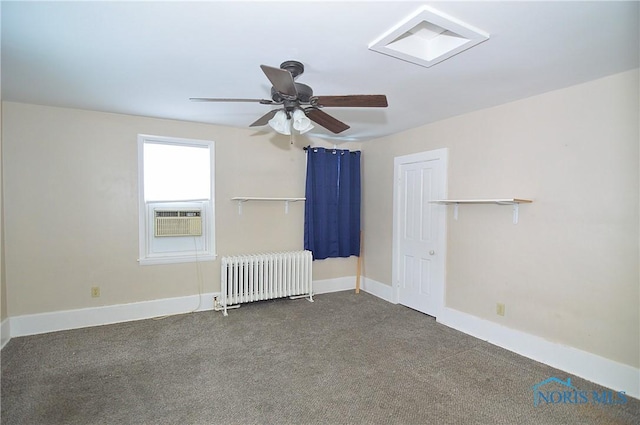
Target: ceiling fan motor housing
{"x": 304, "y": 94}
{"x": 294, "y": 67}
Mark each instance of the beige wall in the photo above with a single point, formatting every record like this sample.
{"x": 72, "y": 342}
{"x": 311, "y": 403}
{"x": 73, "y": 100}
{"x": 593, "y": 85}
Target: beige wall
{"x": 568, "y": 271}
{"x": 3, "y": 282}
{"x": 71, "y": 207}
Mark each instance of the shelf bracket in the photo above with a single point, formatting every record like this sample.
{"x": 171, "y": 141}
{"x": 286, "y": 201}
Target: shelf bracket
{"x": 455, "y": 210}
{"x": 515, "y": 213}
{"x": 240, "y": 201}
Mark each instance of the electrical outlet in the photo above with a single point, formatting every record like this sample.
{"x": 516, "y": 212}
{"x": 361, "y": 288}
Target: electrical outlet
{"x": 500, "y": 309}
{"x": 95, "y": 291}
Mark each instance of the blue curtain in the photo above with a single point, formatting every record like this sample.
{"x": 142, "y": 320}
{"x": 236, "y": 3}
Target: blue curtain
{"x": 332, "y": 206}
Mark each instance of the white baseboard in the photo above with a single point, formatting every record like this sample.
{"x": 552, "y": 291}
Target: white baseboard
{"x": 602, "y": 371}
{"x": 378, "y": 289}
{"x": 5, "y": 332}
{"x": 33, "y": 324}
{"x": 348, "y": 283}
{"x": 327, "y": 286}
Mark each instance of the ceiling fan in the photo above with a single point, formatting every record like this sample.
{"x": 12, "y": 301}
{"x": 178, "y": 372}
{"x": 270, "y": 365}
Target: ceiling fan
{"x": 298, "y": 105}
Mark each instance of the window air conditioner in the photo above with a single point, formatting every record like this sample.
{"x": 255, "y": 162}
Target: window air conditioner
{"x": 178, "y": 223}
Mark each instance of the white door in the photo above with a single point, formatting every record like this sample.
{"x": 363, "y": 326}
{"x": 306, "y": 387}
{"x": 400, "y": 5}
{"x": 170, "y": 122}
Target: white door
{"x": 419, "y": 230}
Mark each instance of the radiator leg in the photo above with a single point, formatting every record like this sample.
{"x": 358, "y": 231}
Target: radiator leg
{"x": 219, "y": 306}
{"x": 309, "y": 297}
{"x": 229, "y": 307}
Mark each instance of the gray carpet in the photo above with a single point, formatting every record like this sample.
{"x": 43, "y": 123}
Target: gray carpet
{"x": 345, "y": 359}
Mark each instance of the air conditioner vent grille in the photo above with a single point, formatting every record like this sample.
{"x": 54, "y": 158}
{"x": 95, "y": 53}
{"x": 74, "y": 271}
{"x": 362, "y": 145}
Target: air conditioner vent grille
{"x": 178, "y": 223}
{"x": 177, "y": 213}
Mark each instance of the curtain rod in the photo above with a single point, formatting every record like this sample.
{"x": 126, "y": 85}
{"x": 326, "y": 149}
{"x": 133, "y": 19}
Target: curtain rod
{"x": 316, "y": 147}
{"x": 334, "y": 148}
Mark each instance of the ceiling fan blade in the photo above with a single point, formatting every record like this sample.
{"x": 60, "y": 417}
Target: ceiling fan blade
{"x": 326, "y": 120}
{"x": 354, "y": 100}
{"x": 214, "y": 99}
{"x": 281, "y": 79}
{"x": 264, "y": 120}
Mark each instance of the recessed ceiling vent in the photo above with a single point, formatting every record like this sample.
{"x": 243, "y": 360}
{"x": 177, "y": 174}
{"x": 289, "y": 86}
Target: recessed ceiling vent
{"x": 428, "y": 37}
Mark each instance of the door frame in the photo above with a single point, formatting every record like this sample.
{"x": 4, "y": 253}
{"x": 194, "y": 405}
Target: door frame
{"x": 442, "y": 155}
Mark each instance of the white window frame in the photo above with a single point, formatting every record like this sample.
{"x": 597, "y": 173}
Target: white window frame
{"x": 145, "y": 210}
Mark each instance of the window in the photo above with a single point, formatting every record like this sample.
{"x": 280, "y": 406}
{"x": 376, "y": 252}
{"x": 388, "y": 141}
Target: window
{"x": 176, "y": 200}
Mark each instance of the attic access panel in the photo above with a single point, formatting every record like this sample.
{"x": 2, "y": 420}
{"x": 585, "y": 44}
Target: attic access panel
{"x": 428, "y": 37}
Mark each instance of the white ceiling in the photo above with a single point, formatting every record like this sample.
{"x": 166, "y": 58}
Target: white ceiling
{"x": 147, "y": 58}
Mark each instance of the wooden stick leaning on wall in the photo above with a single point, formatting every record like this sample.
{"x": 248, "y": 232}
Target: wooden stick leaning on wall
{"x": 359, "y": 270}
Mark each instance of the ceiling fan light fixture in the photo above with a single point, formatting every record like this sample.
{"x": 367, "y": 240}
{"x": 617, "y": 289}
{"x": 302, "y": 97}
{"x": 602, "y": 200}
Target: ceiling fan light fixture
{"x": 281, "y": 123}
{"x": 301, "y": 122}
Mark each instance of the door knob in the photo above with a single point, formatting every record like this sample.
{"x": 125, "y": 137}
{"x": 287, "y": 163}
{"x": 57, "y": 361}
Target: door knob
{"x": 432, "y": 252}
